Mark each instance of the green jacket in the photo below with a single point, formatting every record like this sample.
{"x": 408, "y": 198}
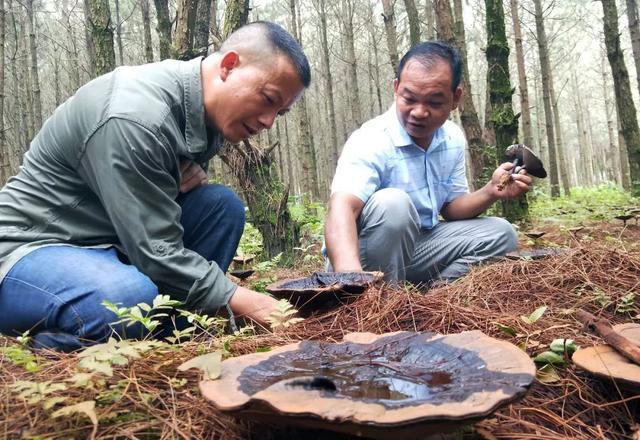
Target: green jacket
{"x": 104, "y": 171}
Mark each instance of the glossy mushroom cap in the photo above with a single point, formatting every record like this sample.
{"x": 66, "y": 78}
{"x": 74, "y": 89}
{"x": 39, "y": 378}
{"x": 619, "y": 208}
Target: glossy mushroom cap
{"x": 527, "y": 159}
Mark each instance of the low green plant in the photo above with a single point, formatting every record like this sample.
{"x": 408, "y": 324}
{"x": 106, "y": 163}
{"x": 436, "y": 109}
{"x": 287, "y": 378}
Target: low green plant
{"x": 142, "y": 313}
{"x": 627, "y": 304}
{"x": 284, "y": 316}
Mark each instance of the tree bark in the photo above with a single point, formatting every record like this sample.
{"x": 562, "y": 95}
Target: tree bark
{"x": 504, "y": 121}
{"x": 430, "y": 20}
{"x": 634, "y": 30}
{"x": 35, "y": 78}
{"x": 99, "y": 21}
{"x": 352, "y": 63}
{"x": 256, "y": 174}
{"x": 560, "y": 147}
{"x": 185, "y": 28}
{"x": 624, "y": 102}
{"x": 389, "y": 17}
{"x": 203, "y": 20}
{"x": 525, "y": 115}
{"x": 320, "y": 6}
{"x": 480, "y": 172}
{"x": 545, "y": 69}
{"x": 146, "y": 25}
{"x": 414, "y": 21}
{"x": 308, "y": 158}
{"x": 120, "y": 61}
{"x": 612, "y": 158}
{"x": 5, "y": 165}
{"x": 163, "y": 28}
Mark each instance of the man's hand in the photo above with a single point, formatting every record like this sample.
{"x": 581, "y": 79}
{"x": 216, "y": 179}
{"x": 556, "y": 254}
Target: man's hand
{"x": 253, "y": 305}
{"x": 513, "y": 185}
{"x": 191, "y": 176}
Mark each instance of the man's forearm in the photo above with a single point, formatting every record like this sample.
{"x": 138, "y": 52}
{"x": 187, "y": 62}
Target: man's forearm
{"x": 469, "y": 205}
{"x": 342, "y": 244}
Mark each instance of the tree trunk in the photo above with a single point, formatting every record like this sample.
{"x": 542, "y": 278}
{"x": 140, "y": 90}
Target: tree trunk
{"x": 430, "y": 20}
{"x": 351, "y": 61}
{"x": 320, "y": 6}
{"x": 560, "y": 147}
{"x": 163, "y": 28}
{"x": 146, "y": 25}
{"x": 480, "y": 172}
{"x": 213, "y": 23}
{"x": 28, "y": 96}
{"x": 612, "y": 158}
{"x": 203, "y": 20}
{"x": 118, "y": 32}
{"x": 185, "y": 27}
{"x": 545, "y": 69}
{"x": 634, "y": 30}
{"x": 256, "y": 174}
{"x": 373, "y": 43}
{"x": 91, "y": 50}
{"x": 504, "y": 121}
{"x": 389, "y": 17}
{"x": 522, "y": 77}
{"x": 5, "y": 165}
{"x": 624, "y": 101}
{"x": 74, "y": 71}
{"x": 414, "y": 21}
{"x": 587, "y": 165}
{"x": 99, "y": 20}
{"x": 308, "y": 157}
{"x": 35, "y": 78}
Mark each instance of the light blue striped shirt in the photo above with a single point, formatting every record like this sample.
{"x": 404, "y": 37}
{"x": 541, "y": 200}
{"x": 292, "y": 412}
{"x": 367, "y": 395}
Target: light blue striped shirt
{"x": 381, "y": 154}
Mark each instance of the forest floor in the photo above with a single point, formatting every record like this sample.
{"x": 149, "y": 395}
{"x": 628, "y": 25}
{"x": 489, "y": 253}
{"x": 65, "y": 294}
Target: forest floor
{"x": 145, "y": 395}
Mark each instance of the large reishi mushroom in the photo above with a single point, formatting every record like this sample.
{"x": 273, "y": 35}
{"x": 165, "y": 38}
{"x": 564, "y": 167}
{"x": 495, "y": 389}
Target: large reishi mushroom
{"x": 395, "y": 385}
{"x": 526, "y": 158}
{"x": 322, "y": 289}
{"x": 605, "y": 362}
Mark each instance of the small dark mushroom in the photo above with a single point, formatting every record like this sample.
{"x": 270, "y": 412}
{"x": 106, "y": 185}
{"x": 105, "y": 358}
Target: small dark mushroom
{"x": 535, "y": 234}
{"x": 522, "y": 155}
{"x": 243, "y": 259}
{"x": 625, "y": 218}
{"x": 242, "y": 274}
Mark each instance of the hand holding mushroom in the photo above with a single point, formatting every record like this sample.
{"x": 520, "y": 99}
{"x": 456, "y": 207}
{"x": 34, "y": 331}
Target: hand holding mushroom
{"x": 511, "y": 179}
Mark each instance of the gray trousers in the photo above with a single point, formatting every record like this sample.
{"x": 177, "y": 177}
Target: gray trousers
{"x": 392, "y": 241}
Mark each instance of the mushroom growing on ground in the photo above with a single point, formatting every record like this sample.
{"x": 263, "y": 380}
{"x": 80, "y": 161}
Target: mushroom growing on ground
{"x": 606, "y": 362}
{"x": 625, "y": 218}
{"x": 522, "y": 156}
{"x": 322, "y": 289}
{"x": 395, "y": 385}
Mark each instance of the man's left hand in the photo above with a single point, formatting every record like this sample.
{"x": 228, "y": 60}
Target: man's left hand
{"x": 192, "y": 175}
{"x": 514, "y": 186}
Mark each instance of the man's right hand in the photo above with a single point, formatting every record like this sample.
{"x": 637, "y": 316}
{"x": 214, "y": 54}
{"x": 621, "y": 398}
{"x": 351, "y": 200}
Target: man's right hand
{"x": 341, "y": 232}
{"x": 253, "y": 305}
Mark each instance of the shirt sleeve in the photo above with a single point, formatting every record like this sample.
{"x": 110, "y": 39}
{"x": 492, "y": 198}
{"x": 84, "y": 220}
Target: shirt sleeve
{"x": 459, "y": 184}
{"x": 130, "y": 170}
{"x": 359, "y": 167}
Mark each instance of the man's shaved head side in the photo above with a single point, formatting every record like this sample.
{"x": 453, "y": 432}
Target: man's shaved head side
{"x": 256, "y": 41}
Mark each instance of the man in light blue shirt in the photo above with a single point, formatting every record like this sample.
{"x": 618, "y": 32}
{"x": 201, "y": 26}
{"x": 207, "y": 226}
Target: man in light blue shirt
{"x": 403, "y": 169}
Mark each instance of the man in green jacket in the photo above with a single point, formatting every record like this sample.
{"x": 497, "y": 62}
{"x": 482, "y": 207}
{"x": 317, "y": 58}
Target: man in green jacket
{"x": 111, "y": 202}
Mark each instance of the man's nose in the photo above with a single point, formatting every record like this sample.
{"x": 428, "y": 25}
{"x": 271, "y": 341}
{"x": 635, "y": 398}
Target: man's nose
{"x": 267, "y": 119}
{"x": 420, "y": 111}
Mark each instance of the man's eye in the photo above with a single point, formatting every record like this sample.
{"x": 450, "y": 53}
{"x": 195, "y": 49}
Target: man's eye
{"x": 268, "y": 99}
{"x": 409, "y": 100}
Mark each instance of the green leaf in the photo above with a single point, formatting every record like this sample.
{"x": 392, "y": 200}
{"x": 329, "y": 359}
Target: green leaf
{"x": 549, "y": 357}
{"x": 96, "y": 366}
{"x": 505, "y": 329}
{"x": 534, "y": 316}
{"x": 50, "y": 403}
{"x": 87, "y": 408}
{"x": 210, "y": 364}
{"x": 547, "y": 374}
{"x": 80, "y": 380}
{"x": 561, "y": 345}
{"x": 263, "y": 349}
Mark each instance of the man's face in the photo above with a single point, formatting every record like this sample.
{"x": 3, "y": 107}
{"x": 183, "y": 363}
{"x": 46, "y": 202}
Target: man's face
{"x": 424, "y": 99}
{"x": 249, "y": 96}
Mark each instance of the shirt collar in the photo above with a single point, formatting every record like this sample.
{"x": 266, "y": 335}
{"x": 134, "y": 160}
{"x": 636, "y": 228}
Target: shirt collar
{"x": 399, "y": 135}
{"x": 196, "y": 133}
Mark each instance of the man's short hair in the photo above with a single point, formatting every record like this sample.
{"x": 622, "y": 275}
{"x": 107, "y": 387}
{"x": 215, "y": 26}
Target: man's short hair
{"x": 266, "y": 35}
{"x": 430, "y": 52}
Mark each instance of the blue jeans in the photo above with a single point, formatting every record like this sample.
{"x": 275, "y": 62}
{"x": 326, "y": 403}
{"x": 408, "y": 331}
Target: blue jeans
{"x": 56, "y": 291}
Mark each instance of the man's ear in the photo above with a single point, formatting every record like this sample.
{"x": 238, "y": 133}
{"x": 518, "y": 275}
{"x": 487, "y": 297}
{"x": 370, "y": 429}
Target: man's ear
{"x": 230, "y": 60}
{"x": 395, "y": 86}
{"x": 456, "y": 97}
